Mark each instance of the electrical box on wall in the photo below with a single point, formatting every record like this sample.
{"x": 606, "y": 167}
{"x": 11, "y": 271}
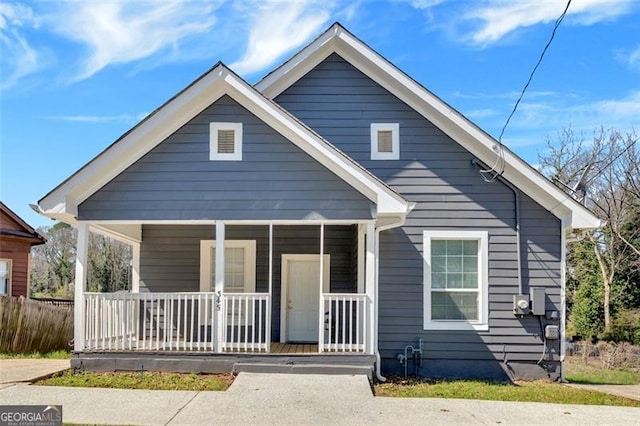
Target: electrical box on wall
{"x": 538, "y": 301}
{"x": 521, "y": 304}
{"x": 552, "y": 332}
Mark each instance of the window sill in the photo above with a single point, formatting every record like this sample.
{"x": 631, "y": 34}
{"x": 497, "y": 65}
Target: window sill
{"x": 455, "y": 325}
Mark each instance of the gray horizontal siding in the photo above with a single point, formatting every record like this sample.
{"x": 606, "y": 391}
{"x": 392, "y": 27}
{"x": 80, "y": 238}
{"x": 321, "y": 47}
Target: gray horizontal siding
{"x": 170, "y": 256}
{"x": 176, "y": 180}
{"x": 436, "y": 173}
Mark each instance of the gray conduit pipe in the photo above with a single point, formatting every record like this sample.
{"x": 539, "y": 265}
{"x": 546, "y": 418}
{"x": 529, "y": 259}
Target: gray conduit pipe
{"x": 516, "y": 200}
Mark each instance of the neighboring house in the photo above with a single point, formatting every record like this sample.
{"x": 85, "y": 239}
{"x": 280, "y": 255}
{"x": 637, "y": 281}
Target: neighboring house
{"x": 354, "y": 220}
{"x": 16, "y": 240}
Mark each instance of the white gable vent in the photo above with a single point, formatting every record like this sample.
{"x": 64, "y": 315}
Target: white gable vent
{"x": 385, "y": 141}
{"x": 225, "y": 141}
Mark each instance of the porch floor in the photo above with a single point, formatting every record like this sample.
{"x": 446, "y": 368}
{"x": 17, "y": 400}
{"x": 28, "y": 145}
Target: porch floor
{"x": 294, "y": 348}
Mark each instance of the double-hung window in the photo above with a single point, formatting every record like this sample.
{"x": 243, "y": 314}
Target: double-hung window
{"x": 5, "y": 277}
{"x": 239, "y": 273}
{"x": 239, "y": 266}
{"x": 455, "y": 280}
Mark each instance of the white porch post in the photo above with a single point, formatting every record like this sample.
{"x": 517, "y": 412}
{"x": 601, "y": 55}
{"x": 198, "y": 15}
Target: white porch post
{"x": 80, "y": 285}
{"x": 219, "y": 286}
{"x": 370, "y": 270}
{"x": 135, "y": 268}
{"x": 270, "y": 300}
{"x": 361, "y": 256}
{"x": 321, "y": 299}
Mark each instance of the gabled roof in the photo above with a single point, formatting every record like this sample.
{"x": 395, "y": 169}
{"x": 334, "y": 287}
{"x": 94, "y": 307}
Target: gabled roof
{"x": 338, "y": 40}
{"x": 62, "y": 202}
{"x": 25, "y": 230}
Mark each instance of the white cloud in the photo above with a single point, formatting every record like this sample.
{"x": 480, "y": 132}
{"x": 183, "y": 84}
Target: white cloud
{"x": 634, "y": 57}
{"x": 19, "y": 58}
{"x": 120, "y": 32}
{"x": 423, "y": 4}
{"x": 277, "y": 27}
{"x": 630, "y": 57}
{"x": 534, "y": 121}
{"x": 127, "y": 118}
{"x": 507, "y": 95}
{"x": 499, "y": 18}
{"x": 477, "y": 114}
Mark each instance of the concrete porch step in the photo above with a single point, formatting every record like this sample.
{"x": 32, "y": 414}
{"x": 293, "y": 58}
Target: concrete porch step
{"x": 302, "y": 368}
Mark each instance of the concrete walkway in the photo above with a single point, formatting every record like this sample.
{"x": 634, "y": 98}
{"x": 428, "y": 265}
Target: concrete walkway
{"x": 625, "y": 391}
{"x": 27, "y": 370}
{"x": 298, "y": 399}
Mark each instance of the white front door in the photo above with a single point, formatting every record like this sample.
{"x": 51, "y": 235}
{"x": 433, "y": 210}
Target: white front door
{"x": 301, "y": 296}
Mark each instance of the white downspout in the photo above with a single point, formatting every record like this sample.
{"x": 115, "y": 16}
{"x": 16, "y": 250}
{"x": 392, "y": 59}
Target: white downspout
{"x": 376, "y": 251}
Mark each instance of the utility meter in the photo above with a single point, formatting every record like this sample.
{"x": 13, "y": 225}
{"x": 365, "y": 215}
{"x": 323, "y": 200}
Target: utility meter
{"x": 521, "y": 304}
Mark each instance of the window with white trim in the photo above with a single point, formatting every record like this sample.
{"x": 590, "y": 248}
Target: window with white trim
{"x": 225, "y": 141}
{"x": 456, "y": 280}
{"x": 385, "y": 141}
{"x": 5, "y": 277}
{"x": 239, "y": 266}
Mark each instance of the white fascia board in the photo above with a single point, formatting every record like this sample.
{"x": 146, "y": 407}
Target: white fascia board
{"x": 131, "y": 147}
{"x": 433, "y": 109}
{"x": 387, "y": 201}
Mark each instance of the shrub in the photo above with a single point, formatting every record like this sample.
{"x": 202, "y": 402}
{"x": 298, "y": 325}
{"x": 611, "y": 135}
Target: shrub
{"x": 625, "y": 327}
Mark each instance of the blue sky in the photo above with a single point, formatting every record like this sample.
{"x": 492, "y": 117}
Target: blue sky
{"x": 76, "y": 75}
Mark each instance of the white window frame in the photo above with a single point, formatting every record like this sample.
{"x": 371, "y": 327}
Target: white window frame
{"x": 206, "y": 263}
{"x": 483, "y": 276}
{"x": 394, "y": 128}
{"x": 9, "y": 268}
{"x": 214, "y": 155}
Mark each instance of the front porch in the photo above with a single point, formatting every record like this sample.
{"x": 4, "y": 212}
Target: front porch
{"x": 187, "y": 322}
{"x": 302, "y": 298}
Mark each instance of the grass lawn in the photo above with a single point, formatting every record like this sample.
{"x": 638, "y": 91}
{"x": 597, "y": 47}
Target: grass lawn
{"x": 538, "y": 391}
{"x": 35, "y": 355}
{"x": 576, "y": 371}
{"x": 138, "y": 380}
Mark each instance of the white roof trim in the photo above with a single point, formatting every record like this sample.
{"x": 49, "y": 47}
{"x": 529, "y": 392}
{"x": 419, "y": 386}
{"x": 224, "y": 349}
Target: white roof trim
{"x": 338, "y": 40}
{"x": 63, "y": 201}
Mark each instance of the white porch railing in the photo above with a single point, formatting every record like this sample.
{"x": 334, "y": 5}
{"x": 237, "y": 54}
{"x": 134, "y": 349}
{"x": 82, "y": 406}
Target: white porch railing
{"x": 187, "y": 322}
{"x": 149, "y": 321}
{"x": 175, "y": 322}
{"x": 346, "y": 322}
{"x": 246, "y": 322}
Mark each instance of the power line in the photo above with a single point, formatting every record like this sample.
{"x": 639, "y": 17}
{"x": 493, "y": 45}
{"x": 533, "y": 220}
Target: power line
{"x": 567, "y": 195}
{"x": 498, "y": 167}
{"x": 524, "y": 89}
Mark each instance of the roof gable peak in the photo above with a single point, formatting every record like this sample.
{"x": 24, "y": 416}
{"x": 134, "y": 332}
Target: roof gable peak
{"x": 337, "y": 39}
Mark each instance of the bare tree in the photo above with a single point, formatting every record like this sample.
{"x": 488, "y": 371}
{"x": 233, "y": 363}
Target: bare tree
{"x": 603, "y": 174}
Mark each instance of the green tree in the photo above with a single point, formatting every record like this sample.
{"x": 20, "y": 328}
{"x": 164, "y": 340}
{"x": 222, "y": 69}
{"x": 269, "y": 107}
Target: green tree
{"x": 109, "y": 264}
{"x": 53, "y": 263}
{"x": 603, "y": 174}
{"x": 584, "y": 291}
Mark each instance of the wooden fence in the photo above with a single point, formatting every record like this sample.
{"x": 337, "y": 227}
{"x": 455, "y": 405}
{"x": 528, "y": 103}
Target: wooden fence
{"x": 30, "y": 326}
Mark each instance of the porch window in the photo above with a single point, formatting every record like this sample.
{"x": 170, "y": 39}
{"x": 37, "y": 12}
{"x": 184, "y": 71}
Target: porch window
{"x": 456, "y": 283}
{"x": 385, "y": 141}
{"x": 5, "y": 276}
{"x": 239, "y": 266}
{"x": 225, "y": 141}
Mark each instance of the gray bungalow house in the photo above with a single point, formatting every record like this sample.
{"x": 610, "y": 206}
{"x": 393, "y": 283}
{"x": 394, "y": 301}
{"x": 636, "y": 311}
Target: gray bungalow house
{"x": 336, "y": 214}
